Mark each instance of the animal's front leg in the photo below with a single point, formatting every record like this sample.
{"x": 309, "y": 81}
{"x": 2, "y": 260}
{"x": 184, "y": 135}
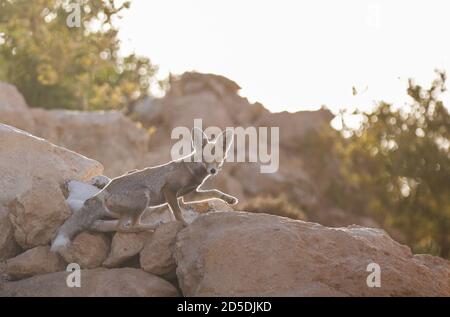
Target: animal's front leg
{"x": 172, "y": 201}
{"x": 215, "y": 194}
{"x": 185, "y": 205}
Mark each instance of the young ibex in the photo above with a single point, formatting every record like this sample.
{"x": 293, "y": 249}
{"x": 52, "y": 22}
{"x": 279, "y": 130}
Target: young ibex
{"x": 127, "y": 197}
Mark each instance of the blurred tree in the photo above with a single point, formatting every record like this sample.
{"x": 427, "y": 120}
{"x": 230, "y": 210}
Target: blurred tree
{"x": 57, "y": 66}
{"x": 395, "y": 167}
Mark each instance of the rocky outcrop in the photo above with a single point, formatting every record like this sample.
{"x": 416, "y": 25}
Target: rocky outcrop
{"x": 242, "y": 254}
{"x": 210, "y": 91}
{"x": 211, "y": 98}
{"x": 97, "y": 282}
{"x": 220, "y": 252}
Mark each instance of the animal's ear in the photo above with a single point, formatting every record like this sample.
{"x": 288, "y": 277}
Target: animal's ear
{"x": 199, "y": 139}
{"x": 226, "y": 139}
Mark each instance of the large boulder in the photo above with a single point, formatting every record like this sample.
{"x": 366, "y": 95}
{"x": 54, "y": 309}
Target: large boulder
{"x": 25, "y": 157}
{"x": 33, "y": 172}
{"x": 243, "y": 254}
{"x": 106, "y": 136}
{"x": 39, "y": 260}
{"x": 13, "y": 108}
{"x": 37, "y": 213}
{"x": 97, "y": 282}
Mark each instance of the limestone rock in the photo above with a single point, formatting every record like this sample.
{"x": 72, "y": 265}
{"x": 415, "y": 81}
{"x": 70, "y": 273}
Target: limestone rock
{"x": 243, "y": 254}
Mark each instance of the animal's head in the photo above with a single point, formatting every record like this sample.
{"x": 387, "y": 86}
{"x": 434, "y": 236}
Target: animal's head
{"x": 211, "y": 154}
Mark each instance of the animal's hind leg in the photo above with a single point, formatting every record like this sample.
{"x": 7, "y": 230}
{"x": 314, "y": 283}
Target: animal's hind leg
{"x": 105, "y": 225}
{"x": 132, "y": 224}
{"x": 131, "y": 221}
{"x": 125, "y": 223}
{"x": 138, "y": 225}
{"x": 110, "y": 214}
{"x": 80, "y": 220}
{"x": 131, "y": 206}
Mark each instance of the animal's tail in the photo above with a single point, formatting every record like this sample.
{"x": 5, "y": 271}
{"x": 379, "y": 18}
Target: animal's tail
{"x": 80, "y": 220}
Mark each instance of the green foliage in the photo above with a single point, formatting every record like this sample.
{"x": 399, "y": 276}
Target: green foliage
{"x": 395, "y": 167}
{"x": 278, "y": 205}
{"x": 56, "y": 66}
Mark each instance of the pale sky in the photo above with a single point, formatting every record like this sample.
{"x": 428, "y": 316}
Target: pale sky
{"x": 297, "y": 55}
